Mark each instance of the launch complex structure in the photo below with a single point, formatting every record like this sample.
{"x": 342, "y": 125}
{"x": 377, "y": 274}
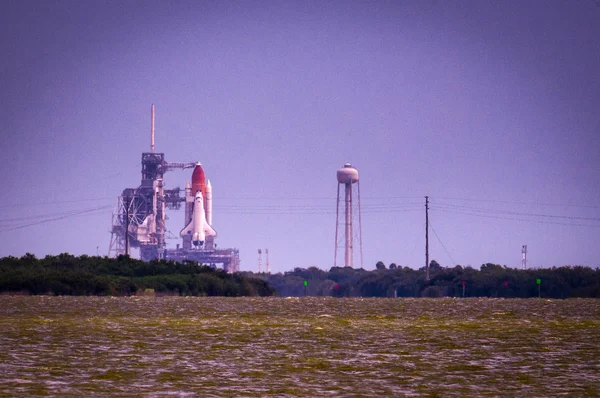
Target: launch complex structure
{"x": 139, "y": 220}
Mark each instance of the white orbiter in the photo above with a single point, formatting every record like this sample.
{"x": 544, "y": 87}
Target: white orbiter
{"x": 199, "y": 228}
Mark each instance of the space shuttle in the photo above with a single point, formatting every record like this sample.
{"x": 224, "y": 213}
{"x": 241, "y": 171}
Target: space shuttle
{"x": 199, "y": 226}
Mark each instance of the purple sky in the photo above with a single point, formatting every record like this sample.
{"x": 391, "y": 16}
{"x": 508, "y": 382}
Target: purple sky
{"x": 491, "y": 108}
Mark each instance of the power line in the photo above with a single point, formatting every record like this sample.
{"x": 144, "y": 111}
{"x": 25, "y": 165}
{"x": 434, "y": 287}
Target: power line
{"x": 72, "y": 215}
{"x": 300, "y": 211}
{"x": 515, "y": 219}
{"x": 56, "y": 202}
{"x": 416, "y": 242}
{"x": 518, "y": 202}
{"x": 42, "y": 216}
{"x": 444, "y": 246}
{"x": 311, "y": 206}
{"x": 482, "y": 210}
{"x": 328, "y": 198}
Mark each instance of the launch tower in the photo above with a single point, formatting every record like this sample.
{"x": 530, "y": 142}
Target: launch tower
{"x": 139, "y": 220}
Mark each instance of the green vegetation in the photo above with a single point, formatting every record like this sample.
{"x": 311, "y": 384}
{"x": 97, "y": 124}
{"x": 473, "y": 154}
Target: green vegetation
{"x": 81, "y": 276}
{"x": 491, "y": 280}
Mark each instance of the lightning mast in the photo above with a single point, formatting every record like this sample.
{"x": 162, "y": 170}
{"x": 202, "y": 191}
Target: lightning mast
{"x": 152, "y": 129}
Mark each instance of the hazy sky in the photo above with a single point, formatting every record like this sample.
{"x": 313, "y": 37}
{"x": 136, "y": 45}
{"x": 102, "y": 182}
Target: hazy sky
{"x": 492, "y": 108}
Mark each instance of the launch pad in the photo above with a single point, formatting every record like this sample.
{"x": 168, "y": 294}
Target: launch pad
{"x": 229, "y": 258}
{"x": 139, "y": 220}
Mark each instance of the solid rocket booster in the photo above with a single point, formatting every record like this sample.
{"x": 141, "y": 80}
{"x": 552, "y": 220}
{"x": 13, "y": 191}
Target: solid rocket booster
{"x": 189, "y": 203}
{"x": 208, "y": 203}
{"x": 189, "y": 209}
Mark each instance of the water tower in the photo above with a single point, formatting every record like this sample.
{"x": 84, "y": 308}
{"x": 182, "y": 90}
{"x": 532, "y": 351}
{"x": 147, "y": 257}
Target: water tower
{"x": 347, "y": 176}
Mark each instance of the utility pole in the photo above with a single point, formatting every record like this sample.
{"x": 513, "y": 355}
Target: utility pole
{"x": 426, "y": 238}
{"x": 127, "y": 225}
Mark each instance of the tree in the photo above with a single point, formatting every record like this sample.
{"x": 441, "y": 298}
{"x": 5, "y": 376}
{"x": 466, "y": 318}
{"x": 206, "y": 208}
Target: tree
{"x": 380, "y": 265}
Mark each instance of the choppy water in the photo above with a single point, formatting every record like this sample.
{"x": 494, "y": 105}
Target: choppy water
{"x": 298, "y": 346}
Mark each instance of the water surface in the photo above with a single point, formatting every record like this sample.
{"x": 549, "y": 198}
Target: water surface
{"x": 210, "y": 346}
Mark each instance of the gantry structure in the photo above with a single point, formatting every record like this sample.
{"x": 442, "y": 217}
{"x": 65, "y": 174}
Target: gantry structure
{"x": 139, "y": 219}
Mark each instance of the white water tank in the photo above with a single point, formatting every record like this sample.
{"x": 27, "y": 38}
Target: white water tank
{"x": 347, "y": 174}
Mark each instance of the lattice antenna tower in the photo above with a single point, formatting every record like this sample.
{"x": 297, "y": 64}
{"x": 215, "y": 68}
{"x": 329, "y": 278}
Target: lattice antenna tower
{"x": 259, "y": 261}
{"x": 267, "y": 269}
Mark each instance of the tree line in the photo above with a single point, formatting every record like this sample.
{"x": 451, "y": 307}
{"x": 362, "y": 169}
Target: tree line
{"x": 66, "y": 274}
{"x": 491, "y": 280}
